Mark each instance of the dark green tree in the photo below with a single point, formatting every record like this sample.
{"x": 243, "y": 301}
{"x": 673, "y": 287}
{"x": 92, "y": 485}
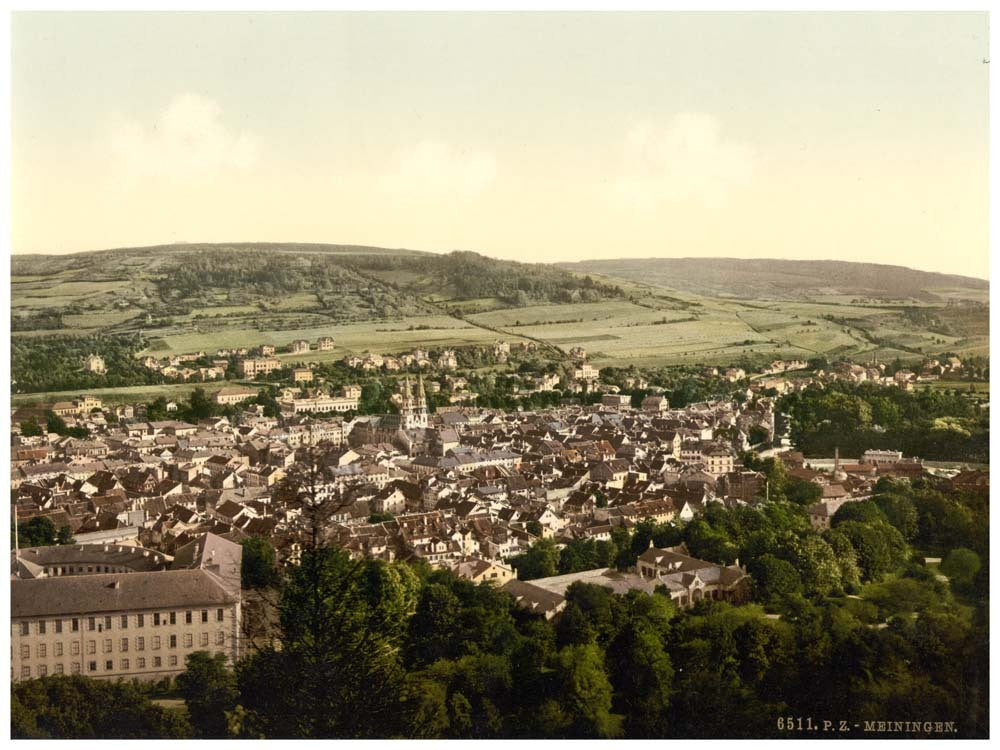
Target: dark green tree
{"x": 209, "y": 690}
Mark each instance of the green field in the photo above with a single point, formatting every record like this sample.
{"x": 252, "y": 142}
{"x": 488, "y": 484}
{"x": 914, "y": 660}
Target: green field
{"x": 394, "y": 306}
{"x": 383, "y": 337}
{"x": 130, "y": 394}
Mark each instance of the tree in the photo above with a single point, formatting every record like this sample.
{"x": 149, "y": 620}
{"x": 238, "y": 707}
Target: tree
{"x": 863, "y": 511}
{"x": 773, "y": 578}
{"x": 900, "y": 511}
{"x": 432, "y": 628}
{"x": 961, "y": 566}
{"x": 540, "y": 561}
{"x": 200, "y": 406}
{"x": 642, "y": 675}
{"x": 343, "y": 622}
{"x": 813, "y": 558}
{"x": 40, "y": 532}
{"x": 76, "y": 707}
{"x": 258, "y": 567}
{"x": 30, "y": 428}
{"x": 55, "y": 423}
{"x": 881, "y": 549}
{"x": 209, "y": 691}
{"x": 585, "y": 693}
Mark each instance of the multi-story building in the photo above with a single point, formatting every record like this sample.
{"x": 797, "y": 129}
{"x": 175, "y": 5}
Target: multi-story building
{"x": 250, "y": 368}
{"x": 302, "y": 375}
{"x": 324, "y": 343}
{"x": 115, "y": 612}
{"x": 299, "y": 346}
{"x": 228, "y": 396}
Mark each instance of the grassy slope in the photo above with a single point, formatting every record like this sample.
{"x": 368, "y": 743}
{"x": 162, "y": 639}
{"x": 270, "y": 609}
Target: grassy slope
{"x": 113, "y": 291}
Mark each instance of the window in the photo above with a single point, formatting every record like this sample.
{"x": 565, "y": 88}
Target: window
{"x": 141, "y": 662}
{"x": 41, "y": 651}
{"x": 107, "y": 645}
{"x": 75, "y": 667}
{"x": 25, "y": 628}
{"x": 59, "y": 669}
{"x": 58, "y": 626}
{"x": 107, "y": 622}
{"x": 157, "y": 661}
{"x": 204, "y": 615}
{"x": 188, "y": 640}
{"x": 58, "y": 651}
{"x": 74, "y": 648}
{"x": 25, "y": 651}
{"x": 124, "y": 664}
{"x": 173, "y": 618}
{"x": 156, "y": 642}
{"x": 41, "y": 627}
{"x": 124, "y": 644}
{"x": 140, "y": 621}
{"x": 25, "y": 671}
{"x": 109, "y": 665}
{"x": 76, "y": 624}
{"x": 124, "y": 621}
{"x": 220, "y": 615}
{"x": 91, "y": 647}
{"x": 187, "y": 617}
{"x": 220, "y": 638}
{"x": 173, "y": 641}
{"x": 91, "y": 623}
{"x": 173, "y": 661}
{"x": 91, "y": 666}
{"x": 204, "y": 639}
{"x": 42, "y": 670}
{"x": 140, "y": 644}
{"x": 156, "y": 619}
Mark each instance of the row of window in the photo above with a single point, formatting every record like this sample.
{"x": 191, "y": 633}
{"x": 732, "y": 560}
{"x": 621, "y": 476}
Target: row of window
{"x": 124, "y": 665}
{"x": 105, "y": 623}
{"x": 71, "y": 569}
{"x": 123, "y": 645}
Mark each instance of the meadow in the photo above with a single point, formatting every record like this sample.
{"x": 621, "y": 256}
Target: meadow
{"x": 390, "y": 305}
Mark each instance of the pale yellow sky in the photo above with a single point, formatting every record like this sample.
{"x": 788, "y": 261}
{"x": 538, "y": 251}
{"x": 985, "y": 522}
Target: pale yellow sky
{"x": 527, "y": 136}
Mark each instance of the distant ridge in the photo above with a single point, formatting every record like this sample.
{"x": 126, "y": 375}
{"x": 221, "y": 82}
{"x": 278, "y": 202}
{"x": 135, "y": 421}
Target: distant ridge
{"x": 278, "y": 247}
{"x": 764, "y": 277}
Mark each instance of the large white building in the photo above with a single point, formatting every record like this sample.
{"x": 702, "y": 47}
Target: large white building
{"x": 113, "y": 612}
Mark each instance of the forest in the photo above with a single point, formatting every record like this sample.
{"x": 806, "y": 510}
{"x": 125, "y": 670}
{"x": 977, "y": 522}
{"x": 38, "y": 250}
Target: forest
{"x": 845, "y": 623}
{"x": 928, "y": 423}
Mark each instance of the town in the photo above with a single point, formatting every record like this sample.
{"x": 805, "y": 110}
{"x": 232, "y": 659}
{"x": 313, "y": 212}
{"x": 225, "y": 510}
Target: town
{"x": 455, "y": 485}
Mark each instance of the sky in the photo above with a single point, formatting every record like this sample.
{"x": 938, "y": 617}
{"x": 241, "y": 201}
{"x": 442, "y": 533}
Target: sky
{"x": 535, "y": 137}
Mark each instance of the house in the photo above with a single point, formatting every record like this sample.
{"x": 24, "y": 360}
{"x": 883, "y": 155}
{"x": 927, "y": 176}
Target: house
{"x": 616, "y": 401}
{"x": 535, "y": 599}
{"x": 690, "y": 580}
{"x": 324, "y": 343}
{"x": 658, "y": 404}
{"x": 302, "y": 375}
{"x": 299, "y": 346}
{"x": 483, "y": 571}
{"x": 95, "y": 364}
{"x": 228, "y": 396}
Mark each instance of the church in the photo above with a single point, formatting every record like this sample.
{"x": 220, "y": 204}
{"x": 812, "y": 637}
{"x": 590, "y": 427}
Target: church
{"x": 394, "y": 428}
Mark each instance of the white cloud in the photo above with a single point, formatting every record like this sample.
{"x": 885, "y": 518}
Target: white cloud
{"x": 437, "y": 168}
{"x": 187, "y": 138}
{"x": 688, "y": 159}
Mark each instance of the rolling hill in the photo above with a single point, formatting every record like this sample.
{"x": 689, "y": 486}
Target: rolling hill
{"x": 764, "y": 278}
{"x": 177, "y": 299}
